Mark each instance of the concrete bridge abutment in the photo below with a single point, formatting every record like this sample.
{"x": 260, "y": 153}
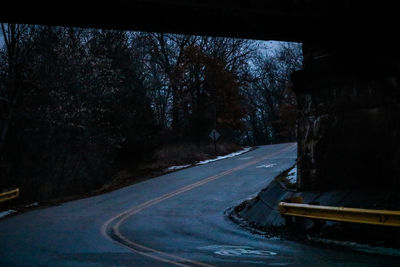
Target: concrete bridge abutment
{"x": 348, "y": 97}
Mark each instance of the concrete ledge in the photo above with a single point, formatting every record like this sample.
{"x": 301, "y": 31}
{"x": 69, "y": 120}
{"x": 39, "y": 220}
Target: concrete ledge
{"x": 261, "y": 215}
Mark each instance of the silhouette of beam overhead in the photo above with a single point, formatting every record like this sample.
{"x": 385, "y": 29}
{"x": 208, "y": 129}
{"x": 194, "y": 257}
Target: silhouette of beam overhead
{"x": 288, "y": 20}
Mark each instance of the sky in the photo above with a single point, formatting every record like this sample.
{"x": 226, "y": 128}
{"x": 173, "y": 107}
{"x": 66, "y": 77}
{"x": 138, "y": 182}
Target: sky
{"x": 264, "y": 45}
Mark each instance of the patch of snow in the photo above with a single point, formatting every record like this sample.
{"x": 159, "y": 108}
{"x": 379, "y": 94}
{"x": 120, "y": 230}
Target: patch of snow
{"x": 292, "y": 175}
{"x": 266, "y": 166}
{"x": 246, "y": 149}
{"x": 6, "y": 213}
{"x": 32, "y": 205}
{"x": 174, "y": 168}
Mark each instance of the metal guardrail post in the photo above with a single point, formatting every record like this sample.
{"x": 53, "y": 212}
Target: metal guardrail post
{"x": 5, "y": 196}
{"x": 341, "y": 214}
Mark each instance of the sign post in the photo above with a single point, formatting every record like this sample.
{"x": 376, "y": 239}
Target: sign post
{"x": 214, "y": 135}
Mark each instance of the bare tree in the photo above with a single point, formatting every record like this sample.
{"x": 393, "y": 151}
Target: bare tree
{"x": 269, "y": 94}
{"x": 12, "y": 56}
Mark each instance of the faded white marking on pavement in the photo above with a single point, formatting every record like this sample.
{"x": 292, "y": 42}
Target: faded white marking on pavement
{"x": 235, "y": 251}
{"x": 244, "y": 158}
{"x": 266, "y": 165}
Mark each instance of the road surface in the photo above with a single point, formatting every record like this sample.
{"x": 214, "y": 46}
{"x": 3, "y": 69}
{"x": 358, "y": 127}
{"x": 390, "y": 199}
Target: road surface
{"x": 174, "y": 220}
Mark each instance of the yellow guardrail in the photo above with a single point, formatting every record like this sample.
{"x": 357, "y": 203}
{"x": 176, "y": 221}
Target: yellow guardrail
{"x": 341, "y": 214}
{"x": 9, "y": 195}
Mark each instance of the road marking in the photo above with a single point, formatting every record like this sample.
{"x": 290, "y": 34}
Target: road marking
{"x": 237, "y": 251}
{"x": 245, "y": 158}
{"x": 149, "y": 252}
{"x": 266, "y": 166}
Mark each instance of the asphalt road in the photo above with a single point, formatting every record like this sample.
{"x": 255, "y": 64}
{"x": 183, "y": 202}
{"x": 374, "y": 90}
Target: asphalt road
{"x": 175, "y": 219}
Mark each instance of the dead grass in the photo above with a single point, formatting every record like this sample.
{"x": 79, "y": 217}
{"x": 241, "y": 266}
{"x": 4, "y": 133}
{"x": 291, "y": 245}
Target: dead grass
{"x": 167, "y": 156}
{"x": 171, "y": 155}
{"x": 183, "y": 154}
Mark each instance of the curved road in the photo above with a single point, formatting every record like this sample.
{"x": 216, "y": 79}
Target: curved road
{"x": 173, "y": 220}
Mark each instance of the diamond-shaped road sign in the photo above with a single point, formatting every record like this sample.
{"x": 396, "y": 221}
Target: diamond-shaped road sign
{"x": 214, "y": 135}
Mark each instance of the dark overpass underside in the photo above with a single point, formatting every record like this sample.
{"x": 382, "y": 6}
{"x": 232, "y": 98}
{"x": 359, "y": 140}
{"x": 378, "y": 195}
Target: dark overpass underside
{"x": 348, "y": 92}
{"x": 288, "y": 20}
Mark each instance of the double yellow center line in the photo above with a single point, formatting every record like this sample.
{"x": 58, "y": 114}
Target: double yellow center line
{"x": 111, "y": 228}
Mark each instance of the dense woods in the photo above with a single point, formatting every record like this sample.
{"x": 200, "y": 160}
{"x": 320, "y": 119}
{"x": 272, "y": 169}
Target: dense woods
{"x": 79, "y": 105}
